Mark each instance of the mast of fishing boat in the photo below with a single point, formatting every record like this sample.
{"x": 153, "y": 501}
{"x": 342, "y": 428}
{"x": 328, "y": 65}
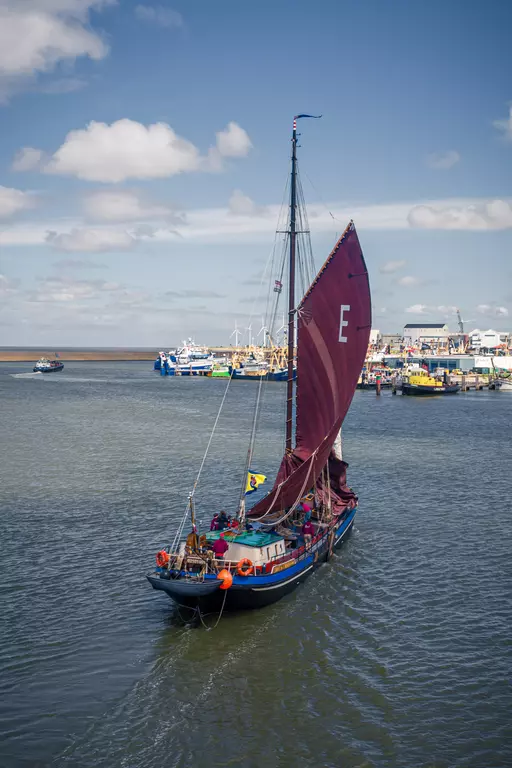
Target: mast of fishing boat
{"x": 291, "y": 290}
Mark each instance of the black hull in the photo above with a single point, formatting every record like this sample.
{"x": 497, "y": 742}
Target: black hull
{"x": 421, "y": 391}
{"x": 372, "y": 386}
{"x": 239, "y": 597}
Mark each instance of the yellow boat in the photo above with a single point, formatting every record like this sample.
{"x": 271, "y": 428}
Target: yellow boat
{"x": 421, "y": 383}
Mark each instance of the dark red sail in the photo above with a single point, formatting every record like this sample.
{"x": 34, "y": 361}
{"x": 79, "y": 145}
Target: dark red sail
{"x": 334, "y": 323}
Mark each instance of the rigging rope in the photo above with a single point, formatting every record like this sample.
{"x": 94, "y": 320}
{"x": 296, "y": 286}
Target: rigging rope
{"x": 191, "y": 495}
{"x": 212, "y": 433}
{"x": 297, "y": 500}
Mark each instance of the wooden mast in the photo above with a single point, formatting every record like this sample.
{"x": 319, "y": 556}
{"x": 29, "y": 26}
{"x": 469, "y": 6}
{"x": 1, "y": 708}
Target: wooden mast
{"x": 291, "y": 290}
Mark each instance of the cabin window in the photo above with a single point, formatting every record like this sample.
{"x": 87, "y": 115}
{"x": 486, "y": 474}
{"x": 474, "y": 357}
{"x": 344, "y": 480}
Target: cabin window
{"x": 277, "y": 550}
{"x": 268, "y": 553}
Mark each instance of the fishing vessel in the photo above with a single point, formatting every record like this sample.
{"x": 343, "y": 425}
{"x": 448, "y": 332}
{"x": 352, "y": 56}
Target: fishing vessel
{"x": 188, "y": 360}
{"x": 276, "y": 544}
{"x": 44, "y": 365}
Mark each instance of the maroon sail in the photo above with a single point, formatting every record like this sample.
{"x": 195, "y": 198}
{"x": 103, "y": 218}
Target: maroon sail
{"x": 334, "y": 323}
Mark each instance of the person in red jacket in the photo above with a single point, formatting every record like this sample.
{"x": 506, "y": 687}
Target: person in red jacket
{"x": 220, "y": 547}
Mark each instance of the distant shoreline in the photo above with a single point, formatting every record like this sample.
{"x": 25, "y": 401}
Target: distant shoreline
{"x": 83, "y": 354}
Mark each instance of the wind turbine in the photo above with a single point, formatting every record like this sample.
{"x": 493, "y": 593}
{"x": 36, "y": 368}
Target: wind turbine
{"x": 249, "y": 328}
{"x": 236, "y": 333}
{"x": 462, "y": 321}
{"x": 265, "y": 332}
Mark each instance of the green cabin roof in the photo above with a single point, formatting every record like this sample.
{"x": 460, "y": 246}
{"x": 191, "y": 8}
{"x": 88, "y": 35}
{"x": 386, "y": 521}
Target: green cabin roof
{"x": 248, "y": 538}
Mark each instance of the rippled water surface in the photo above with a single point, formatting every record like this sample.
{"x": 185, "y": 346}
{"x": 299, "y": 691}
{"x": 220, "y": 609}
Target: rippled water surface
{"x": 396, "y": 653}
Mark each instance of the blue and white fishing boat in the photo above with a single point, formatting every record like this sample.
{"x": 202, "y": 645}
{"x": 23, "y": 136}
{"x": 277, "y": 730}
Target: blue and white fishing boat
{"x": 45, "y": 365}
{"x": 273, "y": 546}
{"x": 188, "y": 360}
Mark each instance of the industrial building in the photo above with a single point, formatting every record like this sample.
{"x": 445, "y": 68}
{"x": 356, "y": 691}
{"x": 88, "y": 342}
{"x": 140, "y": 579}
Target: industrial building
{"x": 416, "y": 334}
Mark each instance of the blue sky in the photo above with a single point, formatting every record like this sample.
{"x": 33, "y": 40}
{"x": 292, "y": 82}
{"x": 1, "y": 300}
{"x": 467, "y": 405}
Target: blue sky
{"x": 144, "y": 152}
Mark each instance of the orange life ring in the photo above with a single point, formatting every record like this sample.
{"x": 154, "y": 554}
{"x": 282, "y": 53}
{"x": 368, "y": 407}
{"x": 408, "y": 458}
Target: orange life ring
{"x": 245, "y": 567}
{"x": 162, "y": 558}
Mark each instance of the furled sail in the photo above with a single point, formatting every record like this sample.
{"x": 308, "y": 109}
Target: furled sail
{"x": 334, "y": 323}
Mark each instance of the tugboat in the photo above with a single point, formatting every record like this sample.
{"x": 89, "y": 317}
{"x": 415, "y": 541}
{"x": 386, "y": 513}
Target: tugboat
{"x": 267, "y": 550}
{"x": 422, "y": 384}
{"x": 44, "y": 365}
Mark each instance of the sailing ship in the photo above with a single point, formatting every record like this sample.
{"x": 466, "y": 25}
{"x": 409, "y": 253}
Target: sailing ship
{"x": 285, "y": 536}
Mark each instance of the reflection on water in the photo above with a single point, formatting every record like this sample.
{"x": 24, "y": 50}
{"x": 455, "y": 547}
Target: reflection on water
{"x": 396, "y": 653}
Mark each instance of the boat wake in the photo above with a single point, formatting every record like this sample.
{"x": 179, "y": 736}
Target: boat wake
{"x": 31, "y": 375}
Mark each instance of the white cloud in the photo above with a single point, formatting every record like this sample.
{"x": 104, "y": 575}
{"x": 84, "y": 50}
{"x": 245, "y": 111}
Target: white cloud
{"x": 35, "y": 35}
{"x": 417, "y": 309}
{"x": 472, "y": 215}
{"x": 27, "y": 159}
{"x": 90, "y": 240}
{"x": 391, "y": 266}
{"x": 233, "y": 141}
{"x": 14, "y": 200}
{"x": 492, "y": 310}
{"x": 123, "y": 205}
{"x": 446, "y": 311}
{"x": 127, "y": 149}
{"x": 66, "y": 290}
{"x": 7, "y": 287}
{"x": 220, "y": 225}
{"x": 164, "y": 17}
{"x": 408, "y": 281}
{"x": 505, "y": 126}
{"x": 242, "y": 205}
{"x": 443, "y": 160}
{"x": 113, "y": 153}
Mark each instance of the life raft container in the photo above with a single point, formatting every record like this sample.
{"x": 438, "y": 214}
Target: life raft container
{"x": 162, "y": 558}
{"x": 245, "y": 567}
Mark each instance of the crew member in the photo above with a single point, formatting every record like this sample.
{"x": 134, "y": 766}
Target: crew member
{"x": 308, "y": 531}
{"x": 214, "y": 525}
{"x": 220, "y": 547}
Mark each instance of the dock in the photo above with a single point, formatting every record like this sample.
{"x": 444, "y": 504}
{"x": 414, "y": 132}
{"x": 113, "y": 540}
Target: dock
{"x": 473, "y": 381}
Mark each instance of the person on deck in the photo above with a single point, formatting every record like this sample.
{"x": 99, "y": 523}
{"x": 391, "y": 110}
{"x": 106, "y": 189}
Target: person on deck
{"x": 220, "y": 547}
{"x": 308, "y": 531}
{"x": 222, "y": 521}
{"x": 214, "y": 525}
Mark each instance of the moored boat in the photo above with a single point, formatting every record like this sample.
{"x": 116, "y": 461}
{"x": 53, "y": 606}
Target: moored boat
{"x": 421, "y": 384}
{"x": 504, "y": 384}
{"x": 284, "y": 537}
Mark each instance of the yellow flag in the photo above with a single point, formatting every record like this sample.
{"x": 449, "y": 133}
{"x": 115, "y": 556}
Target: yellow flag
{"x": 253, "y": 481}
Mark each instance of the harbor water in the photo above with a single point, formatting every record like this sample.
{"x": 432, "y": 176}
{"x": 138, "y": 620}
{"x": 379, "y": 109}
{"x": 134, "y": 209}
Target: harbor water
{"x": 396, "y": 653}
